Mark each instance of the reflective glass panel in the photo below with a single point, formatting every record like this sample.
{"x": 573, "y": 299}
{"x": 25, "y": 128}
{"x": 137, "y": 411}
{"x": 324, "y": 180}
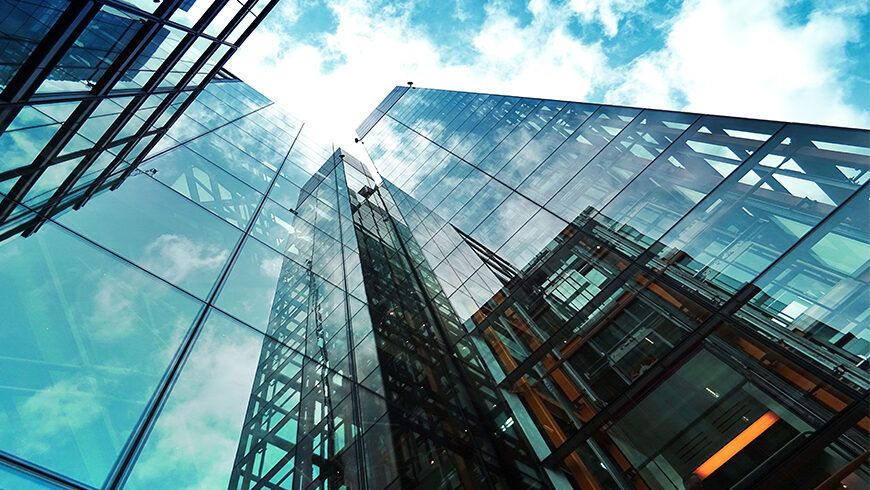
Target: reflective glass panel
{"x": 86, "y": 339}
{"x": 259, "y": 275}
{"x": 195, "y": 441}
{"x": 22, "y": 27}
{"x": 819, "y": 289}
{"x": 93, "y": 52}
{"x": 235, "y": 161}
{"x": 765, "y": 206}
{"x": 679, "y": 178}
{"x": 205, "y": 184}
{"x": 172, "y": 238}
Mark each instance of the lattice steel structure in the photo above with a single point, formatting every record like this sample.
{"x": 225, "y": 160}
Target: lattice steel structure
{"x": 530, "y": 294}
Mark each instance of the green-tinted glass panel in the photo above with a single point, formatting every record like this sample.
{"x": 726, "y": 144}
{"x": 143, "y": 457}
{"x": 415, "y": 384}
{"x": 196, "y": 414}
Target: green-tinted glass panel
{"x": 86, "y": 339}
{"x": 172, "y": 238}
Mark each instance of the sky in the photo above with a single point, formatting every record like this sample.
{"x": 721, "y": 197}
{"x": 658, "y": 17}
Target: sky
{"x": 330, "y": 62}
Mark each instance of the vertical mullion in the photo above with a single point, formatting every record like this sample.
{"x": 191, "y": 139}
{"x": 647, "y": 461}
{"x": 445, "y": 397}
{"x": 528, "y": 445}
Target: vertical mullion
{"x": 125, "y": 462}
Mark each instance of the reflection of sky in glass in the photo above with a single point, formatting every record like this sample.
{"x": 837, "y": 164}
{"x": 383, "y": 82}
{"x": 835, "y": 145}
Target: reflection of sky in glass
{"x": 206, "y": 184}
{"x": 9, "y": 479}
{"x": 745, "y": 224}
{"x": 19, "y": 148}
{"x": 194, "y": 442}
{"x": 106, "y": 330}
{"x": 173, "y": 238}
{"x": 723, "y": 205}
{"x": 249, "y": 290}
{"x": 820, "y": 283}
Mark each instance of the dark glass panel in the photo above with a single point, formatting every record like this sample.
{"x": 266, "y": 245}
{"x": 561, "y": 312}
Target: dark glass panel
{"x": 22, "y": 27}
{"x": 93, "y": 52}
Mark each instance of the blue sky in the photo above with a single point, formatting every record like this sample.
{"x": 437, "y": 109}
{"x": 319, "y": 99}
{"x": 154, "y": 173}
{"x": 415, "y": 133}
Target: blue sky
{"x": 331, "y": 61}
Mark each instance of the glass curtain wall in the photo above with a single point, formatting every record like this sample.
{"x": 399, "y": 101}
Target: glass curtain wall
{"x": 446, "y": 424}
{"x": 87, "y": 89}
{"x": 673, "y": 300}
{"x": 209, "y": 344}
{"x": 529, "y": 294}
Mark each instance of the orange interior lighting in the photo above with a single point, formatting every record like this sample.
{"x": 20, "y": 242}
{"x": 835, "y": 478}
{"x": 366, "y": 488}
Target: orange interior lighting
{"x": 736, "y": 445}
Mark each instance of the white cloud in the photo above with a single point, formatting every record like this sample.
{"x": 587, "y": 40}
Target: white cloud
{"x": 608, "y": 12}
{"x": 271, "y": 266}
{"x": 112, "y": 299}
{"x": 67, "y": 405}
{"x": 373, "y": 50}
{"x": 744, "y": 58}
{"x": 541, "y": 59}
{"x": 460, "y": 13}
{"x": 194, "y": 442}
{"x": 175, "y": 257}
{"x": 739, "y": 57}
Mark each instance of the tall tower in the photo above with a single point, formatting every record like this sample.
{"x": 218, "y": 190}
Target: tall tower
{"x": 666, "y": 300}
{"x": 526, "y": 294}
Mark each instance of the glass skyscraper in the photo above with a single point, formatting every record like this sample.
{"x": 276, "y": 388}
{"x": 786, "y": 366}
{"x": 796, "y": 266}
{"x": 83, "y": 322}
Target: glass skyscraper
{"x": 526, "y": 294}
{"x": 664, "y": 300}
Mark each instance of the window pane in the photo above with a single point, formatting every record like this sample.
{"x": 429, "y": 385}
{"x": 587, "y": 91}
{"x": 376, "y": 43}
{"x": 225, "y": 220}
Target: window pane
{"x": 205, "y": 184}
{"x": 172, "y": 238}
{"x": 9, "y": 478}
{"x": 48, "y": 182}
{"x": 677, "y": 180}
{"x": 519, "y": 136}
{"x": 191, "y": 11}
{"x": 572, "y": 157}
{"x": 251, "y": 288}
{"x": 494, "y": 112}
{"x": 819, "y": 289}
{"x": 285, "y": 193}
{"x": 506, "y": 123}
{"x": 504, "y": 221}
{"x": 763, "y": 207}
{"x": 539, "y": 232}
{"x": 550, "y": 137}
{"x": 93, "y": 52}
{"x": 22, "y": 27}
{"x": 19, "y": 148}
{"x": 487, "y": 199}
{"x": 235, "y": 161}
{"x": 231, "y": 372}
{"x": 86, "y": 339}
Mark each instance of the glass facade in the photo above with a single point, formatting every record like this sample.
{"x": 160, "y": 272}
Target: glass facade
{"x": 247, "y": 310}
{"x": 526, "y": 294}
{"x": 88, "y": 88}
{"x": 664, "y": 300}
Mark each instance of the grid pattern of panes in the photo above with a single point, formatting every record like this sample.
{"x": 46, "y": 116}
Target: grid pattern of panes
{"x": 201, "y": 326}
{"x": 622, "y": 263}
{"x": 87, "y": 88}
{"x": 451, "y": 427}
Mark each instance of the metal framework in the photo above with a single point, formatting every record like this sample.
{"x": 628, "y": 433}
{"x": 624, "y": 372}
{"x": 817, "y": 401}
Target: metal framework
{"x": 128, "y": 138}
{"x": 175, "y": 82}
